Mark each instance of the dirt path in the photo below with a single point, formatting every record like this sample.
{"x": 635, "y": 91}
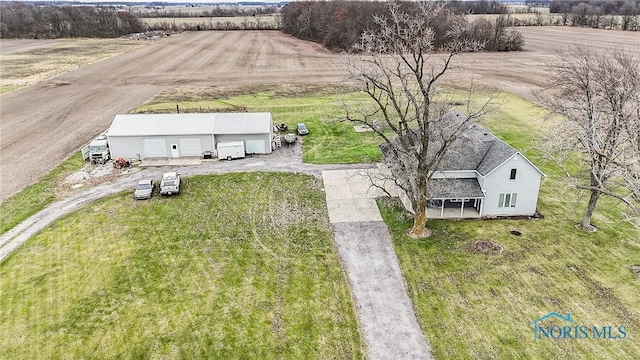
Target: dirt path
{"x": 42, "y": 124}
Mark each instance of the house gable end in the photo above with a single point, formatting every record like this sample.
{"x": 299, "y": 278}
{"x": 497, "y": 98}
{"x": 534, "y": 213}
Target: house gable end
{"x": 511, "y": 157}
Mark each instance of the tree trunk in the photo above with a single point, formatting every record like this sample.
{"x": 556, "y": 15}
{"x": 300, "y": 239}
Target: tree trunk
{"x": 419, "y": 229}
{"x": 586, "y": 219}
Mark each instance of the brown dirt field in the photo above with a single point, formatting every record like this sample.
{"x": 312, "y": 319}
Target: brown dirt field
{"x": 42, "y": 124}
{"x": 14, "y": 46}
{"x": 522, "y": 73}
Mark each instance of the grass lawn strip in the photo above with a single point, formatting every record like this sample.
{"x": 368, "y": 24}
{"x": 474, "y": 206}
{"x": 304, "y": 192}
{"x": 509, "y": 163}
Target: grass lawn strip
{"x": 236, "y": 266}
{"x": 330, "y": 141}
{"x": 38, "y": 195}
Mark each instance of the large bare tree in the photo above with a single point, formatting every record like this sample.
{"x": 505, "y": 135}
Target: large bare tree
{"x": 400, "y": 67}
{"x": 597, "y": 139}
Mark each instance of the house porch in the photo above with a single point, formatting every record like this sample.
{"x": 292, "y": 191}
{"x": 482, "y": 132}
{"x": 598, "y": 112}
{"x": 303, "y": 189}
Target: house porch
{"x": 454, "y": 208}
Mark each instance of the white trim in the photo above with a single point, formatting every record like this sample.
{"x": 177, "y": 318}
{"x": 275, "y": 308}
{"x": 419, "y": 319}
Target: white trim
{"x": 509, "y": 158}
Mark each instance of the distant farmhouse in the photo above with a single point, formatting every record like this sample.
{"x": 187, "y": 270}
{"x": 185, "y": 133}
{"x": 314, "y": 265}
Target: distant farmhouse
{"x": 480, "y": 176}
{"x": 146, "y": 136}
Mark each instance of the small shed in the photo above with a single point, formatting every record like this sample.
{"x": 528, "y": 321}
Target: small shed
{"x": 145, "y": 136}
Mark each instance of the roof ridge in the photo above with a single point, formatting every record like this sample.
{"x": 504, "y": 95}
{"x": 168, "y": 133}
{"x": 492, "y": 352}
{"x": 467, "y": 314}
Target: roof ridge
{"x": 493, "y": 142}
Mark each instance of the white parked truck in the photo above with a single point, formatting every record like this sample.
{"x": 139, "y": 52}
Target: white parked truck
{"x": 231, "y": 150}
{"x": 99, "y": 150}
{"x": 170, "y": 183}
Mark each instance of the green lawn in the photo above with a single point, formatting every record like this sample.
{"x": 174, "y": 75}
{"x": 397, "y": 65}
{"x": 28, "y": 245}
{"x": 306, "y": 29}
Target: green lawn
{"x": 38, "y": 195}
{"x": 236, "y": 266}
{"x": 475, "y": 306}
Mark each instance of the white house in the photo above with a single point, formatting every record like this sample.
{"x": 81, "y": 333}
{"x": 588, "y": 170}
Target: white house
{"x": 481, "y": 176}
{"x": 134, "y": 136}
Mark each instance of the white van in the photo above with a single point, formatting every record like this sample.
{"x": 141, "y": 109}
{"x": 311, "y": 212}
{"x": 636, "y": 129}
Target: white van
{"x": 170, "y": 183}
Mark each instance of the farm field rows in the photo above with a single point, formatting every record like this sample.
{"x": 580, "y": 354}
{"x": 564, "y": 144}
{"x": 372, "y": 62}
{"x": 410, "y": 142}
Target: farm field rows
{"x": 44, "y": 123}
{"x": 28, "y": 62}
{"x": 62, "y": 114}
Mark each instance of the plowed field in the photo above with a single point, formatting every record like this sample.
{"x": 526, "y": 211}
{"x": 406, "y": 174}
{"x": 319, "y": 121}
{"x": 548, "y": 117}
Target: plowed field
{"x": 43, "y": 123}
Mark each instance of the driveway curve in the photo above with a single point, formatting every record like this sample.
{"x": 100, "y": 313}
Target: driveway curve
{"x": 15, "y": 237}
{"x": 388, "y": 324}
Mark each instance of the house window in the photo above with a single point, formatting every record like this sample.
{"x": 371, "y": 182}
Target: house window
{"x": 513, "y": 174}
{"x": 507, "y": 200}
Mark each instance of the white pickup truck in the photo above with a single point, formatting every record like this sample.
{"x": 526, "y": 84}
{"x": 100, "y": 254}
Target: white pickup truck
{"x": 170, "y": 183}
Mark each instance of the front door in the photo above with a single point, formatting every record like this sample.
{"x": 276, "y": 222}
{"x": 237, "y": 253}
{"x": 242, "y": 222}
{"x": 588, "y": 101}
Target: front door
{"x": 174, "y": 151}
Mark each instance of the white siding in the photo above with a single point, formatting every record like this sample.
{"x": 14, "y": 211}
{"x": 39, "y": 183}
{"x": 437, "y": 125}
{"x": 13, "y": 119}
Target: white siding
{"x": 130, "y": 146}
{"x": 526, "y": 185}
{"x": 128, "y": 132}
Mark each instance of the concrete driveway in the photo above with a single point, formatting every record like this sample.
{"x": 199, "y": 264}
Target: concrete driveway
{"x": 388, "y": 324}
{"x": 350, "y": 197}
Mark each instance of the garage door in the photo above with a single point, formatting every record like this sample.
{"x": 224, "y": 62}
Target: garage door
{"x": 190, "y": 147}
{"x": 255, "y": 146}
{"x": 154, "y": 148}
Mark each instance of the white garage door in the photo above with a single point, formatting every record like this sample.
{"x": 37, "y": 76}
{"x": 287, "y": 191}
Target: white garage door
{"x": 154, "y": 148}
{"x": 190, "y": 147}
{"x": 255, "y": 146}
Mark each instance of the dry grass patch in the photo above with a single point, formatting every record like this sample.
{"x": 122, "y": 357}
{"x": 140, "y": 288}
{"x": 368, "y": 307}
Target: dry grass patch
{"x": 484, "y": 247}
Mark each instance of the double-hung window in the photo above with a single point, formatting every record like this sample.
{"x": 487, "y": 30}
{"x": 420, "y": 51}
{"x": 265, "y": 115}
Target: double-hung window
{"x": 507, "y": 200}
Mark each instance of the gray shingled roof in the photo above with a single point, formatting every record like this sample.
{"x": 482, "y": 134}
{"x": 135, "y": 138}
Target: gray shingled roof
{"x": 476, "y": 149}
{"x": 454, "y": 188}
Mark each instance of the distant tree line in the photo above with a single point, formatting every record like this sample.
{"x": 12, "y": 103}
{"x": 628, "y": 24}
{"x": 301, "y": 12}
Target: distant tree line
{"x": 339, "y": 24}
{"x": 258, "y": 22}
{"x": 216, "y": 12}
{"x": 620, "y": 14}
{"x": 477, "y": 7}
{"x": 26, "y": 20}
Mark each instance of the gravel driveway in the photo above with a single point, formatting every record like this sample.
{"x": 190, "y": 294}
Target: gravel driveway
{"x": 284, "y": 159}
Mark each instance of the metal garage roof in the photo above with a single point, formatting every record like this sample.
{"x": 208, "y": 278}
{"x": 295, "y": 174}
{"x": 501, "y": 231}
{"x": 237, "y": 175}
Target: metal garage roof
{"x": 190, "y": 124}
{"x": 242, "y": 123}
{"x": 161, "y": 124}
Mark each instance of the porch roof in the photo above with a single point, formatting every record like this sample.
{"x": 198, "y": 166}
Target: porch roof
{"x": 455, "y": 189}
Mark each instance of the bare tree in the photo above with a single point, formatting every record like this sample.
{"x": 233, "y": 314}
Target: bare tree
{"x": 401, "y": 75}
{"x": 596, "y": 142}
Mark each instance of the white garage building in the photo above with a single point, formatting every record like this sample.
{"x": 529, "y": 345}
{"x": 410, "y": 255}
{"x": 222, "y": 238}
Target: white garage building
{"x": 143, "y": 136}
